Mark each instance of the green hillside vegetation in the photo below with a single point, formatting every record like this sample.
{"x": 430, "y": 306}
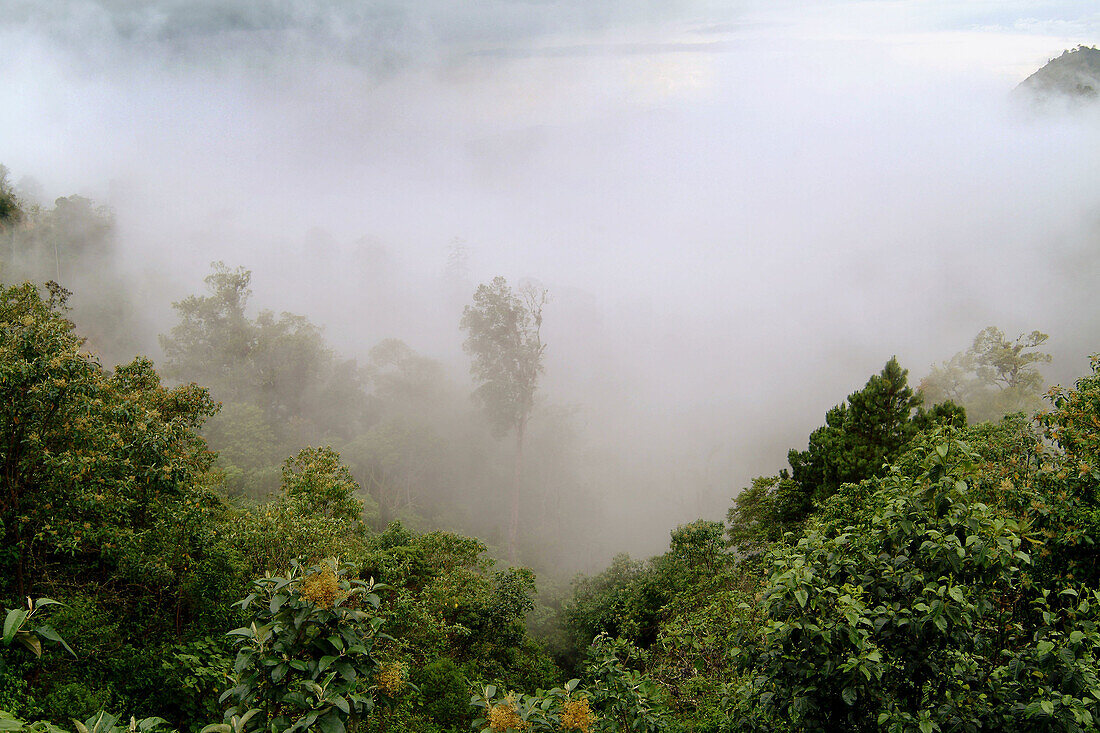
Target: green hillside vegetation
{"x": 248, "y": 539}
{"x": 1073, "y": 75}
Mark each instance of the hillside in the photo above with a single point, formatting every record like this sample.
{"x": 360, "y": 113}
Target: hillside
{"x": 1074, "y": 75}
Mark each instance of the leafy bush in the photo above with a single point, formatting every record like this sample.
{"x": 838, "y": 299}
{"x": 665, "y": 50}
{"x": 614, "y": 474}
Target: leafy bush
{"x": 625, "y": 698}
{"x": 195, "y": 673}
{"x": 557, "y": 709}
{"x": 100, "y": 722}
{"x": 444, "y": 694}
{"x": 922, "y": 615}
{"x": 307, "y": 659}
{"x": 74, "y": 700}
{"x": 619, "y": 699}
{"x": 15, "y": 694}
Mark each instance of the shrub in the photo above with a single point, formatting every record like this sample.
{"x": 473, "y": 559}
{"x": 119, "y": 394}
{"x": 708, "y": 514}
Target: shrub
{"x": 444, "y": 696}
{"x": 307, "y": 659}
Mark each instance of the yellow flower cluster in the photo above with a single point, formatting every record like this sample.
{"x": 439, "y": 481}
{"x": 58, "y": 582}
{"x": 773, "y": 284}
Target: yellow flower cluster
{"x": 503, "y": 716}
{"x": 391, "y": 678}
{"x": 321, "y": 588}
{"x": 577, "y": 715}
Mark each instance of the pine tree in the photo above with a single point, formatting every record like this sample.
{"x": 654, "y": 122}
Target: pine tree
{"x": 859, "y": 436}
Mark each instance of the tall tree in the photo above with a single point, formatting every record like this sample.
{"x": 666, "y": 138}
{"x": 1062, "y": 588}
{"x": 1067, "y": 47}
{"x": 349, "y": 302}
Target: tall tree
{"x": 1009, "y": 364}
{"x": 214, "y": 338}
{"x": 506, "y": 345}
{"x": 10, "y": 210}
{"x": 88, "y": 459}
{"x": 281, "y": 383}
{"x": 860, "y": 437}
{"x": 996, "y": 376}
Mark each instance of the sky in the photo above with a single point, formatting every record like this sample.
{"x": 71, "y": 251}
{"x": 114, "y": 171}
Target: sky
{"x": 741, "y": 209}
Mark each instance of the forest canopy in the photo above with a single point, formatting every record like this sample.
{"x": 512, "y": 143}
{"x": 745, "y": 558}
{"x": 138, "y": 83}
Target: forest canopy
{"x": 908, "y": 571}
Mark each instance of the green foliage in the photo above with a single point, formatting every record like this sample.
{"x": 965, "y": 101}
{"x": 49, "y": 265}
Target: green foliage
{"x": 955, "y": 589}
{"x": 73, "y": 242}
{"x": 18, "y": 629}
{"x": 503, "y": 338}
{"x": 859, "y": 440}
{"x": 100, "y": 509}
{"x": 196, "y": 672}
{"x": 1068, "y": 514}
{"x": 10, "y": 209}
{"x": 283, "y": 382}
{"x": 625, "y": 698}
{"x": 316, "y": 515}
{"x": 619, "y": 699}
{"x": 403, "y": 379}
{"x": 629, "y": 598}
{"x": 1074, "y": 423}
{"x": 214, "y": 337}
{"x": 99, "y": 722}
{"x": 21, "y": 638}
{"x": 307, "y": 658}
{"x": 922, "y": 614}
{"x": 396, "y": 460}
{"x": 269, "y": 537}
{"x": 699, "y": 547}
{"x": 322, "y": 485}
{"x": 74, "y": 700}
{"x": 15, "y": 694}
{"x": 994, "y": 377}
{"x": 764, "y": 511}
{"x": 696, "y": 657}
{"x": 248, "y": 451}
{"x": 559, "y": 708}
{"x": 1009, "y": 364}
{"x": 860, "y": 436}
{"x": 103, "y": 722}
{"x": 622, "y": 601}
{"x": 448, "y": 601}
{"x": 87, "y": 459}
{"x": 443, "y": 694}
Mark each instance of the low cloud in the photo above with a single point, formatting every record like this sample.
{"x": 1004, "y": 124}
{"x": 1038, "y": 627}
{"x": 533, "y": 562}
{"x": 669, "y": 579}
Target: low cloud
{"x": 741, "y": 211}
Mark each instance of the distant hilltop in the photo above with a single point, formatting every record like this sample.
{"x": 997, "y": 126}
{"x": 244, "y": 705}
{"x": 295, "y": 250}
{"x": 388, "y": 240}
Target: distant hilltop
{"x": 1074, "y": 75}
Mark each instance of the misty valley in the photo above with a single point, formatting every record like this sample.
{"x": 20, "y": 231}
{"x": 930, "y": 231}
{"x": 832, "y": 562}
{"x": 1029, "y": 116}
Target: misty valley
{"x": 719, "y": 458}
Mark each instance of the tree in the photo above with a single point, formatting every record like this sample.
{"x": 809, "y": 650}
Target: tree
{"x": 994, "y": 377}
{"x": 762, "y": 512}
{"x": 323, "y": 485}
{"x": 10, "y": 210}
{"x": 860, "y": 437}
{"x": 214, "y": 338}
{"x": 279, "y": 377}
{"x": 88, "y": 459}
{"x": 505, "y": 343}
{"x": 922, "y": 610}
{"x": 1008, "y": 364}
{"x": 73, "y": 242}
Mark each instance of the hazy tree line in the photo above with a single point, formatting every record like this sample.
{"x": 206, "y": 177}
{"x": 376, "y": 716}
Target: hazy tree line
{"x": 922, "y": 564}
{"x": 419, "y": 447}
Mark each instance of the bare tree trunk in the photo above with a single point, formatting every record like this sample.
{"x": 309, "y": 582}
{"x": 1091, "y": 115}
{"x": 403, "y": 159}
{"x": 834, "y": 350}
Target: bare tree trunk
{"x": 517, "y": 477}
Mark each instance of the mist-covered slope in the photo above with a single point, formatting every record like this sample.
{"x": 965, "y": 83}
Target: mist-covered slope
{"x": 1075, "y": 75}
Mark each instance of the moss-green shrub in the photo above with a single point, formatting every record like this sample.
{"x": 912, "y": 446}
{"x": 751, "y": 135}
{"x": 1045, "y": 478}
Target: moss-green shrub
{"x": 444, "y": 695}
{"x": 74, "y": 700}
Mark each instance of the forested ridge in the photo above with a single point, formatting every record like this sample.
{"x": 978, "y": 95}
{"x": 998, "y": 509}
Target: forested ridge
{"x": 258, "y": 534}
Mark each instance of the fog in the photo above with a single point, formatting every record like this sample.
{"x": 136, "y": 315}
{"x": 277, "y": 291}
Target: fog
{"x": 740, "y": 210}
